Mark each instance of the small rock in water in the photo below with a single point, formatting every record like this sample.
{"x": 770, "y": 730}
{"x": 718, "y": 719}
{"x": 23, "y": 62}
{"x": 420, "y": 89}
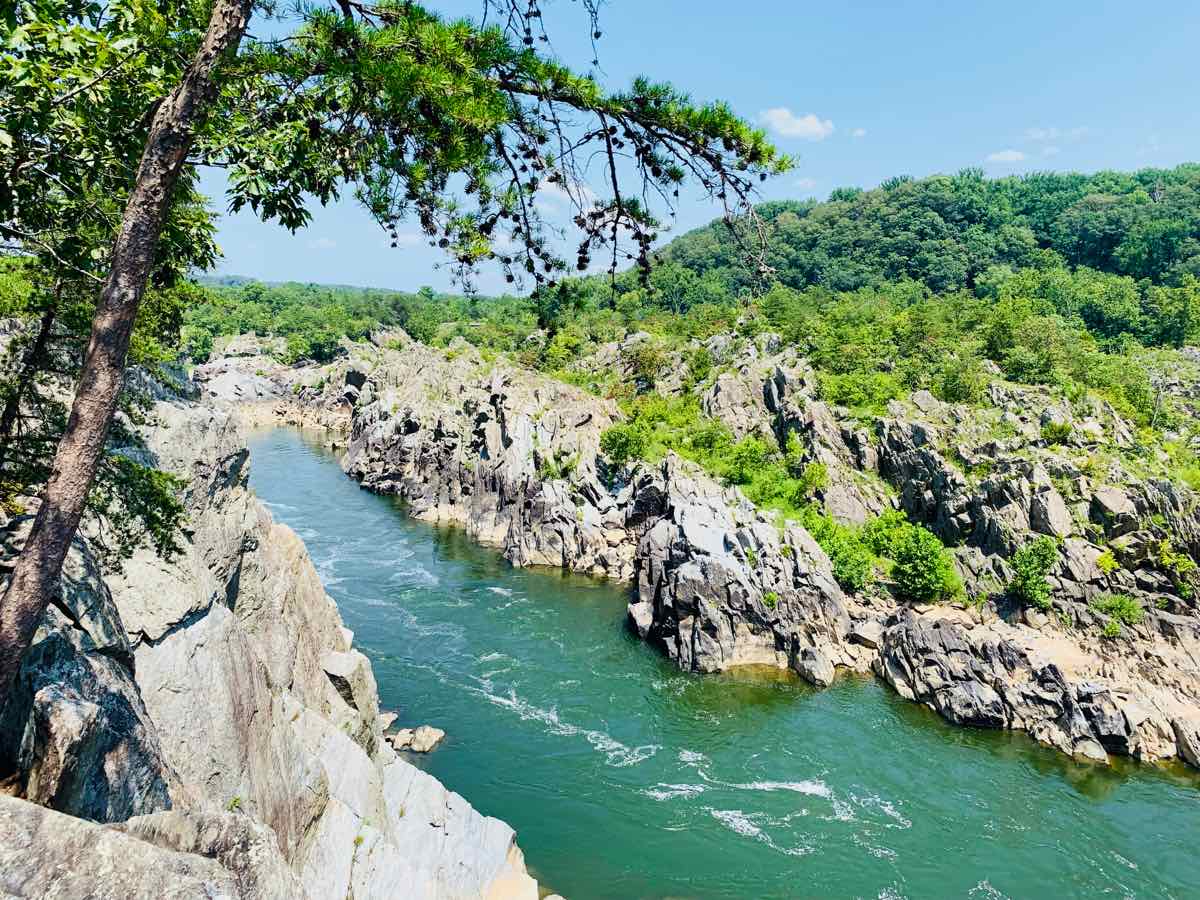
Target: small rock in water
{"x": 387, "y": 720}
{"x": 419, "y": 740}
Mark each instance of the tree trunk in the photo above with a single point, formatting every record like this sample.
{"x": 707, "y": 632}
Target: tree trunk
{"x": 38, "y": 574}
{"x": 29, "y": 370}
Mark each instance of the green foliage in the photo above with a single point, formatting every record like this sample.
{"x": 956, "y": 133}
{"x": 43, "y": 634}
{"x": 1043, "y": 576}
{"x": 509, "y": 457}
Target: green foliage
{"x": 1181, "y": 567}
{"x": 140, "y": 504}
{"x": 954, "y": 232}
{"x": 882, "y": 533}
{"x": 1056, "y": 432}
{"x": 745, "y": 459}
{"x": 1120, "y": 608}
{"x": 771, "y": 599}
{"x": 1031, "y": 564}
{"x": 1111, "y": 629}
{"x": 851, "y": 558}
{"x": 922, "y": 568}
{"x": 557, "y": 467}
{"x": 623, "y": 444}
{"x": 700, "y": 365}
{"x": 1107, "y": 562}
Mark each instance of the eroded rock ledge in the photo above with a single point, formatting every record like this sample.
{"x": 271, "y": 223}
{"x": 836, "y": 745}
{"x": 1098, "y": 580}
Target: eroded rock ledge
{"x": 205, "y": 727}
{"x": 512, "y": 456}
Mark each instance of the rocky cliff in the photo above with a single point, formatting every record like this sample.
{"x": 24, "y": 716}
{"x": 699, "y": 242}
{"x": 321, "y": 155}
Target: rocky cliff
{"x": 203, "y": 726}
{"x": 513, "y": 456}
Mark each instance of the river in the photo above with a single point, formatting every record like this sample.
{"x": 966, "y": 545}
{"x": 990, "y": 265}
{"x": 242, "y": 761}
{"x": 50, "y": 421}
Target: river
{"x": 625, "y": 778}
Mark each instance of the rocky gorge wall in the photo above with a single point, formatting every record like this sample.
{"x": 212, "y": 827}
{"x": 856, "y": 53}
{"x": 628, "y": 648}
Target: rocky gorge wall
{"x": 513, "y": 456}
{"x": 203, "y": 726}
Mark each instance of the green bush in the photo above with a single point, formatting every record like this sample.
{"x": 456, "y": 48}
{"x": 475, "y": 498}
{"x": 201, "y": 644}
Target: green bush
{"x": 1120, "y": 608}
{"x": 1107, "y": 562}
{"x": 852, "y": 560}
{"x": 623, "y": 443}
{"x": 922, "y": 569}
{"x": 882, "y": 532}
{"x": 745, "y": 459}
{"x": 558, "y": 467}
{"x": 700, "y": 365}
{"x": 1031, "y": 564}
{"x": 771, "y": 599}
{"x": 1056, "y": 432}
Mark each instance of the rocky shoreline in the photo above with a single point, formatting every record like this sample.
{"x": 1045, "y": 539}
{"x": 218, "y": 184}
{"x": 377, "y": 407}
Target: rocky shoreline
{"x": 204, "y": 726}
{"x": 513, "y": 456}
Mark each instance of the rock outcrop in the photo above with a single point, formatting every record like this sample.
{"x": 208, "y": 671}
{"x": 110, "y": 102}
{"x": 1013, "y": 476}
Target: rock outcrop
{"x": 223, "y": 679}
{"x": 513, "y": 457}
{"x": 719, "y": 585}
{"x": 507, "y": 454}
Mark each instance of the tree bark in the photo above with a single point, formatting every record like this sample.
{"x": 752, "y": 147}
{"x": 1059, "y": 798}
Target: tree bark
{"x": 37, "y": 577}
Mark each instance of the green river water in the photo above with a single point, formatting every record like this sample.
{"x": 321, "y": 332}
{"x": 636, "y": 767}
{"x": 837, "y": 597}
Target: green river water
{"x": 625, "y": 778}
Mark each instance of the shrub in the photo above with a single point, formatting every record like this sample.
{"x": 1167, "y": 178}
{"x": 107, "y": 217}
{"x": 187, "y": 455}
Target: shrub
{"x": 962, "y": 380}
{"x": 922, "y": 569}
{"x": 557, "y": 467}
{"x": 746, "y": 457}
{"x": 812, "y": 478}
{"x": 852, "y": 560}
{"x": 771, "y": 599}
{"x": 1111, "y": 629}
{"x": 881, "y": 533}
{"x": 863, "y": 391}
{"x": 1120, "y": 608}
{"x": 1056, "y": 432}
{"x": 700, "y": 364}
{"x": 623, "y": 443}
{"x": 1180, "y": 566}
{"x": 1031, "y": 564}
{"x": 1107, "y": 562}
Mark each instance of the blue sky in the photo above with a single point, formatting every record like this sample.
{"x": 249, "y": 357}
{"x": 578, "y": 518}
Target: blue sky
{"x": 860, "y": 91}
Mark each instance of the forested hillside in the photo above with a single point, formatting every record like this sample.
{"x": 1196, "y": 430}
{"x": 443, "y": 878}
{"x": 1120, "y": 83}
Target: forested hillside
{"x": 314, "y": 317}
{"x": 949, "y": 231}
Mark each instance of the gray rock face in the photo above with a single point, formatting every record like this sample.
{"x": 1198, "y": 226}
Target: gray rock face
{"x": 1083, "y": 701}
{"x": 76, "y": 726}
{"x": 46, "y": 854}
{"x": 977, "y": 678}
{"x": 718, "y": 586}
{"x": 507, "y": 454}
{"x": 224, "y": 678}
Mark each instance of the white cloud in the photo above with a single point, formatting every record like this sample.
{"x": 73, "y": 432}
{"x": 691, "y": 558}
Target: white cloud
{"x": 806, "y": 184}
{"x": 784, "y": 122}
{"x": 859, "y": 133}
{"x": 1051, "y": 151}
{"x": 322, "y": 243}
{"x": 1005, "y": 156}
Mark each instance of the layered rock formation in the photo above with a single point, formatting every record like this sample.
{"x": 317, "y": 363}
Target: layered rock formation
{"x": 507, "y": 454}
{"x": 514, "y": 457}
{"x": 214, "y": 705}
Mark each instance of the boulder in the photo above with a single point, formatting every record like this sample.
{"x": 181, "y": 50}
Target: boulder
{"x": 421, "y": 739}
{"x": 1113, "y": 509}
